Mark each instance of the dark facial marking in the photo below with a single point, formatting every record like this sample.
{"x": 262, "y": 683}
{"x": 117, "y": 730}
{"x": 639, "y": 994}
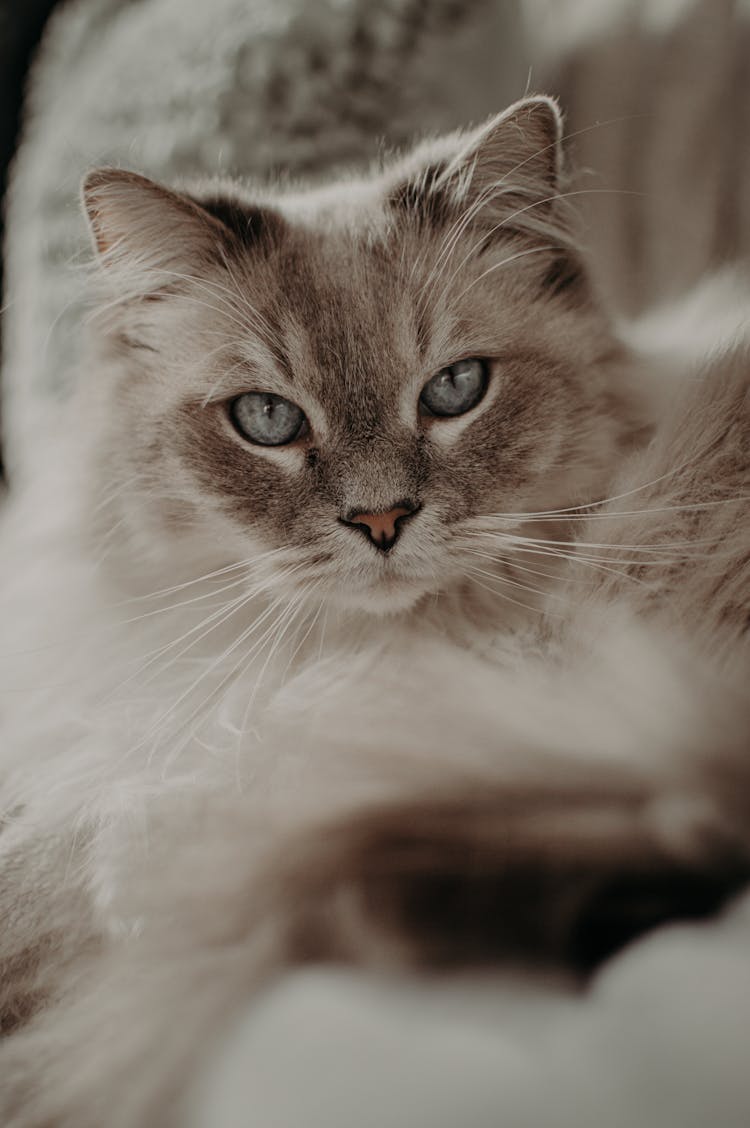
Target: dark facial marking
{"x": 253, "y": 227}
{"x": 566, "y": 277}
{"x": 419, "y": 199}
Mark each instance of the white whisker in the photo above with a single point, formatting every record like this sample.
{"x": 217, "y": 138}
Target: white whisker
{"x": 514, "y": 583}
{"x": 502, "y": 595}
{"x": 170, "y": 711}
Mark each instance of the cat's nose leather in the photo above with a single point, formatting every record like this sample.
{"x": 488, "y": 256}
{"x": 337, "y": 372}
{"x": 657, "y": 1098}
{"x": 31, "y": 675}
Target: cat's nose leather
{"x": 383, "y": 528}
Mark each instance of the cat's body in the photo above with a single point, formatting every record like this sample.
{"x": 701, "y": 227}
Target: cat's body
{"x": 207, "y": 880}
{"x": 239, "y": 734}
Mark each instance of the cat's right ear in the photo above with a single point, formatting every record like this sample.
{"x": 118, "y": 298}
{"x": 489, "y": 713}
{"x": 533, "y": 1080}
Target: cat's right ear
{"x": 503, "y": 176}
{"x": 138, "y": 225}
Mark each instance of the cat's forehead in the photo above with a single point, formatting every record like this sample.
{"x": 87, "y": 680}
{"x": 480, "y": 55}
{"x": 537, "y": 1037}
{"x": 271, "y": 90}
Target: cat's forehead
{"x": 352, "y": 296}
{"x": 337, "y": 301}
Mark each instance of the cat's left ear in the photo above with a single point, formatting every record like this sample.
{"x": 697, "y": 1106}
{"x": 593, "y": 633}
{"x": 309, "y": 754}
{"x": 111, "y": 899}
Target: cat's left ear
{"x": 138, "y": 225}
{"x": 508, "y": 168}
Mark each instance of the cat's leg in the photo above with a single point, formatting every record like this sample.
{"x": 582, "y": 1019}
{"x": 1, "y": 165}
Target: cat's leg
{"x": 545, "y": 877}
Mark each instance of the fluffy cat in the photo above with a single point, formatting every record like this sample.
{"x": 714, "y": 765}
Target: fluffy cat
{"x": 405, "y": 622}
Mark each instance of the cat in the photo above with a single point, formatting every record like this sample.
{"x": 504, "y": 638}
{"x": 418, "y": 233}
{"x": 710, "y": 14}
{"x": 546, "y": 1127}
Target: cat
{"x": 402, "y": 607}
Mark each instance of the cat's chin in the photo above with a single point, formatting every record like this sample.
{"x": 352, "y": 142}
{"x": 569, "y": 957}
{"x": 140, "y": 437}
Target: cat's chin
{"x": 393, "y": 598}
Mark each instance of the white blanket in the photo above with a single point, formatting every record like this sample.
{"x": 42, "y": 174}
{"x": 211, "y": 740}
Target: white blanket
{"x": 659, "y": 1040}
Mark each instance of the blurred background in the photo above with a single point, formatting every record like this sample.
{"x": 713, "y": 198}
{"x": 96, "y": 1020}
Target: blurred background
{"x": 21, "y": 26}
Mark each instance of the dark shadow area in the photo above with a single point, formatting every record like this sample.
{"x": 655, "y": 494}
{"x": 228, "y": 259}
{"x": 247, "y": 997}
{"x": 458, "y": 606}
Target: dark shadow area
{"x": 21, "y": 25}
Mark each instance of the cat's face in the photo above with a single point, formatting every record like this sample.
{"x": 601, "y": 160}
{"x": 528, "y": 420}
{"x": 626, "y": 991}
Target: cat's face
{"x": 359, "y": 381}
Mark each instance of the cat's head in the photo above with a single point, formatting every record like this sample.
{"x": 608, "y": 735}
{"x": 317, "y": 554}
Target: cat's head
{"x": 358, "y": 380}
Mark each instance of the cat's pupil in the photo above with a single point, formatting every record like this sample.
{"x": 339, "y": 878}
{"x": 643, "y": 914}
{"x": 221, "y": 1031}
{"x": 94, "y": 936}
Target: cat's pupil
{"x": 456, "y": 389}
{"x": 267, "y": 419}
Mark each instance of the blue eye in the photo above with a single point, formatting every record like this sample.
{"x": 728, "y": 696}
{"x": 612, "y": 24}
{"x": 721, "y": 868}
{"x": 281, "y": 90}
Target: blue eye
{"x": 267, "y": 419}
{"x": 456, "y": 389}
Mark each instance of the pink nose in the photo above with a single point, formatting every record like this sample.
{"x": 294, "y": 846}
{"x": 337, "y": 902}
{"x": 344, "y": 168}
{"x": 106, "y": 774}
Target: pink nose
{"x": 382, "y": 528}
